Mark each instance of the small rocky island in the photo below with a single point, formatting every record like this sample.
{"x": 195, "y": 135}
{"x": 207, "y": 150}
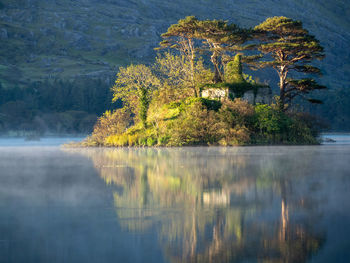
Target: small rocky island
{"x": 196, "y": 91}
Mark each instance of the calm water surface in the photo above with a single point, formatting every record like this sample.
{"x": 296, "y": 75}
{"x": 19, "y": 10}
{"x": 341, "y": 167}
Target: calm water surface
{"x": 242, "y": 204}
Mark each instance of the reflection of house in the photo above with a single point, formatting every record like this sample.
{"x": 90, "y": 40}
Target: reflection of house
{"x": 216, "y": 198}
{"x": 236, "y": 86}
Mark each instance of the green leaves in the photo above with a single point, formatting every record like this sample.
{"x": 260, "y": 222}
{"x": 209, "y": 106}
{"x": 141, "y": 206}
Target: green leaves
{"x": 218, "y": 37}
{"x": 301, "y": 88}
{"x": 280, "y": 26}
{"x": 134, "y": 85}
{"x": 291, "y": 48}
{"x": 186, "y": 27}
{"x": 305, "y": 85}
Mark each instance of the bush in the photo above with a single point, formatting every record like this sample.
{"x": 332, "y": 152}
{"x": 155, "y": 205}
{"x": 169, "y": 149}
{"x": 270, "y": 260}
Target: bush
{"x": 192, "y": 126}
{"x": 274, "y": 126}
{"x": 163, "y": 140}
{"x": 195, "y": 121}
{"x": 111, "y": 123}
{"x": 151, "y": 141}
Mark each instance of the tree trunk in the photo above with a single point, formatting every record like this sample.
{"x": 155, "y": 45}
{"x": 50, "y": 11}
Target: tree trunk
{"x": 192, "y": 58}
{"x": 196, "y": 94}
{"x": 215, "y": 61}
{"x": 283, "y": 76}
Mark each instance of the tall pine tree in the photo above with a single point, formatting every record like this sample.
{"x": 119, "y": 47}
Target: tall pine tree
{"x": 291, "y": 48}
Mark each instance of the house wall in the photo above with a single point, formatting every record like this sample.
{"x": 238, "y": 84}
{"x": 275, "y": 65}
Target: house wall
{"x": 263, "y": 95}
{"x": 215, "y": 93}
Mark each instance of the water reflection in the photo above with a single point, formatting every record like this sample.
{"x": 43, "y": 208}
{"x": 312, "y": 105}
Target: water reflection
{"x": 216, "y": 204}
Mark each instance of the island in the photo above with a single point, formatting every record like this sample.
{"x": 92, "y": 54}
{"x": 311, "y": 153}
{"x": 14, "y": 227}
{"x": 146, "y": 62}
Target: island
{"x": 196, "y": 91}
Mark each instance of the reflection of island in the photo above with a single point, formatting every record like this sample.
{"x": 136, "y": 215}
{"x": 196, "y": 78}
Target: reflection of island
{"x": 212, "y": 205}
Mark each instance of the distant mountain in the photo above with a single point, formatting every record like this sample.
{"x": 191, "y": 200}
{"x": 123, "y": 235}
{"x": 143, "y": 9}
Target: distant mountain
{"x": 65, "y": 39}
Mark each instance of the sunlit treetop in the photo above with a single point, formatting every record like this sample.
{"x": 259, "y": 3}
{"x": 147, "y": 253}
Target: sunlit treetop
{"x": 291, "y": 48}
{"x": 185, "y": 28}
{"x": 220, "y": 31}
{"x": 288, "y": 42}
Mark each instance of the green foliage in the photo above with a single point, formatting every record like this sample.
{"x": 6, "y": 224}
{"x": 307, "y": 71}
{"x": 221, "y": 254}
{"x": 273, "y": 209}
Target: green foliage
{"x": 151, "y": 141}
{"x": 274, "y": 126}
{"x": 235, "y": 122}
{"x": 55, "y": 37}
{"x": 134, "y": 86}
{"x": 181, "y": 36}
{"x": 269, "y": 121}
{"x": 177, "y": 75}
{"x": 233, "y": 70}
{"x": 222, "y": 39}
{"x": 291, "y": 48}
{"x": 47, "y": 107}
{"x": 193, "y": 126}
{"x": 214, "y": 105}
{"x": 165, "y": 98}
{"x": 144, "y": 103}
{"x": 163, "y": 140}
{"x": 197, "y": 121}
{"x": 110, "y": 123}
{"x": 185, "y": 28}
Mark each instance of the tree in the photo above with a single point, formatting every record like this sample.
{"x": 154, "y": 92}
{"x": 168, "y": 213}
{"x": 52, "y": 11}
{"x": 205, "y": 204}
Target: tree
{"x": 291, "y": 48}
{"x": 181, "y": 36}
{"x": 134, "y": 86}
{"x": 173, "y": 71}
{"x": 220, "y": 38}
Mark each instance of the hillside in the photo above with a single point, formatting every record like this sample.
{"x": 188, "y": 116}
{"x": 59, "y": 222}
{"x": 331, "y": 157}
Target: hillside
{"x": 66, "y": 39}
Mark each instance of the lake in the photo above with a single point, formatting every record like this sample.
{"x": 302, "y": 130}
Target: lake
{"x": 195, "y": 204}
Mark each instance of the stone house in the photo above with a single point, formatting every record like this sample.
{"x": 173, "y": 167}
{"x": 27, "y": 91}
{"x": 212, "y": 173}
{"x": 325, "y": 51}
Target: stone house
{"x": 237, "y": 87}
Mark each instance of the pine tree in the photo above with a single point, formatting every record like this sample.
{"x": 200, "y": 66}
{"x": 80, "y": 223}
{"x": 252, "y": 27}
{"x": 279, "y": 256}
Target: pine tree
{"x": 222, "y": 39}
{"x": 181, "y": 36}
{"x": 291, "y": 48}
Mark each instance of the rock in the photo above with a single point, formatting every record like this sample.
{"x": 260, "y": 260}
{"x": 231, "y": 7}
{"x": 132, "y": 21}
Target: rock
{"x": 329, "y": 140}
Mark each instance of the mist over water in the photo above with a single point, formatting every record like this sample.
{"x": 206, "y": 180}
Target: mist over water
{"x": 239, "y": 204}
{"x": 45, "y": 141}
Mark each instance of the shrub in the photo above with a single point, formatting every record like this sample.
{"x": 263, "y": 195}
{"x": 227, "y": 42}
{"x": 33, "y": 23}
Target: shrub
{"x": 163, "y": 140}
{"x": 151, "y": 141}
{"x": 274, "y": 126}
{"x": 198, "y": 121}
{"x": 142, "y": 141}
{"x": 111, "y": 123}
{"x": 191, "y": 127}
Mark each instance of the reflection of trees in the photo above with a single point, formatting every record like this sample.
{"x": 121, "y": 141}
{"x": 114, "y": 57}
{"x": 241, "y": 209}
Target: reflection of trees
{"x": 211, "y": 205}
